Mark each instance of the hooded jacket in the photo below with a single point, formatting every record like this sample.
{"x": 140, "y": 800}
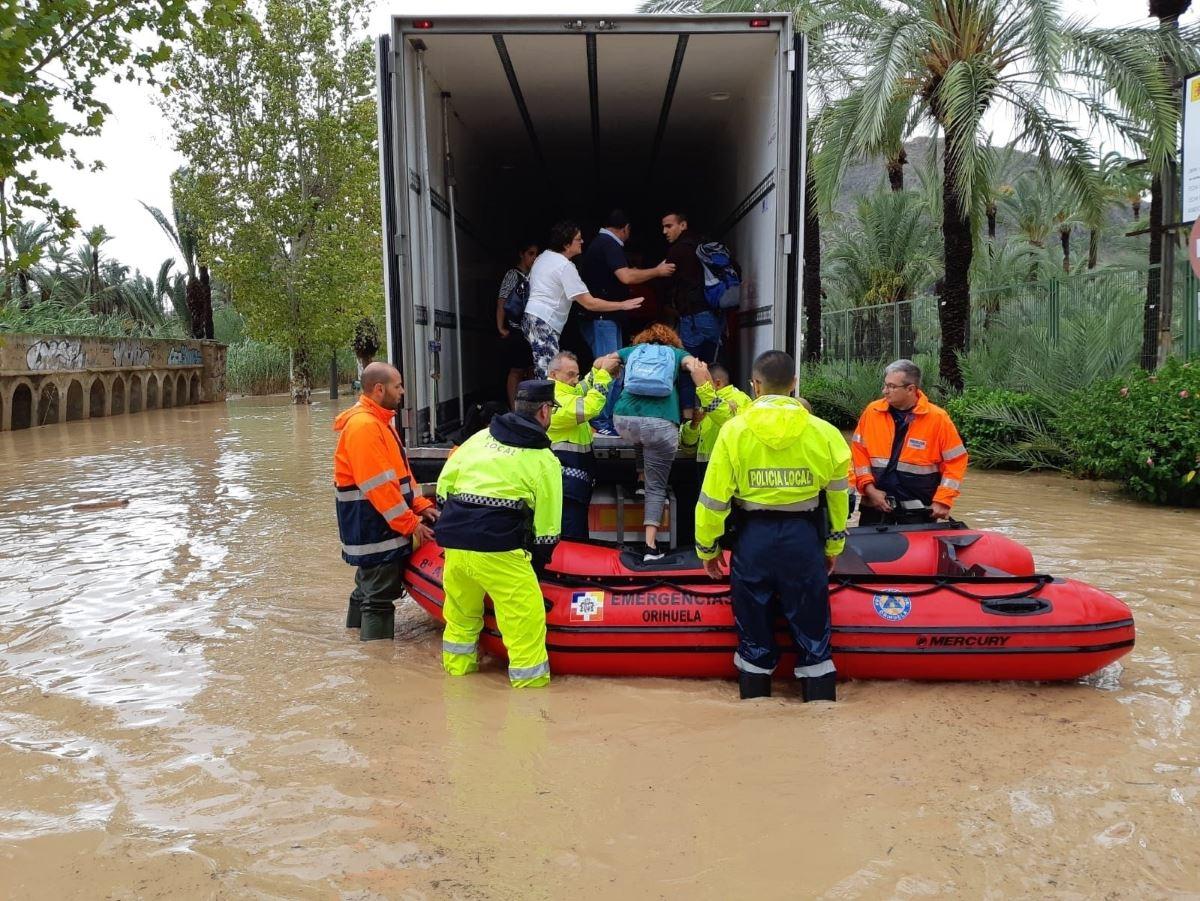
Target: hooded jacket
{"x": 378, "y": 501}
{"x": 775, "y": 457}
{"x": 502, "y": 491}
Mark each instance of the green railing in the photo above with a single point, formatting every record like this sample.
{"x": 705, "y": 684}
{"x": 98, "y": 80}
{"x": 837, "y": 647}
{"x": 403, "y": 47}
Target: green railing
{"x": 1036, "y": 310}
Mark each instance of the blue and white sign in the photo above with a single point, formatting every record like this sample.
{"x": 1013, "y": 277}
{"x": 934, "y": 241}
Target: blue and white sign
{"x": 892, "y": 605}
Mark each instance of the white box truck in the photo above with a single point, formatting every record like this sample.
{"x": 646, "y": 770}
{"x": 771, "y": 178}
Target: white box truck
{"x": 491, "y": 128}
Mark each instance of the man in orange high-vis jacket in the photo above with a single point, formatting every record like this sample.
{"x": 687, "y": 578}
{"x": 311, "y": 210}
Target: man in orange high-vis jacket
{"x": 907, "y": 450}
{"x": 379, "y": 506}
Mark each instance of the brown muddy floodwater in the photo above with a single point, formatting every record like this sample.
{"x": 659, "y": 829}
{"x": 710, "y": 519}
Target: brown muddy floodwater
{"x": 182, "y": 715}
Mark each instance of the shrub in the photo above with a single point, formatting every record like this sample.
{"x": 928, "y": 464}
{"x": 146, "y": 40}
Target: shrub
{"x": 1006, "y": 429}
{"x": 1142, "y": 430}
{"x": 840, "y": 397}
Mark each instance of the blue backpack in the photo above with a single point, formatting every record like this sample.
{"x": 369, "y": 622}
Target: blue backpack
{"x": 650, "y": 371}
{"x": 514, "y": 304}
{"x": 722, "y": 278}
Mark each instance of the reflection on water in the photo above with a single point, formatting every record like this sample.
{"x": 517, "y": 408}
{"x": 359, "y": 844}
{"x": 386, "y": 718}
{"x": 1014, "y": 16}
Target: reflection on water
{"x": 182, "y": 711}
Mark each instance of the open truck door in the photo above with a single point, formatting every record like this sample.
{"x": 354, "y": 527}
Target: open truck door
{"x": 492, "y": 128}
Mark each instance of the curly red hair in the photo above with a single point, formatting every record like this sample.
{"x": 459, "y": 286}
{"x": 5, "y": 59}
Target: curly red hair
{"x": 658, "y": 334}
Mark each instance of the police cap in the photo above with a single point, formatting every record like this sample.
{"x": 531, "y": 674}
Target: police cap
{"x": 538, "y": 391}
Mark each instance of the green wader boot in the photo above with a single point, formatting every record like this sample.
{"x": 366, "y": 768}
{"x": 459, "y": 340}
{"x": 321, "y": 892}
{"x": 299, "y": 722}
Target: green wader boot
{"x": 380, "y": 587}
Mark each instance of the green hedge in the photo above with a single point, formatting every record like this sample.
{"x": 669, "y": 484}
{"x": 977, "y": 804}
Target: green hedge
{"x": 1142, "y": 430}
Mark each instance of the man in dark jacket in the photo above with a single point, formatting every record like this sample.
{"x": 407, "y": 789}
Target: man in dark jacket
{"x": 699, "y": 325}
{"x": 608, "y": 276}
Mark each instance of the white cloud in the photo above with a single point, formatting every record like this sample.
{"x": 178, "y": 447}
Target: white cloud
{"x": 137, "y": 150}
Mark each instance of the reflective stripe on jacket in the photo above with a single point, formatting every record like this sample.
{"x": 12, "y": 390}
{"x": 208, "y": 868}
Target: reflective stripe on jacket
{"x": 774, "y": 457}
{"x": 720, "y": 406}
{"x": 378, "y": 501}
{"x": 932, "y": 460}
{"x": 570, "y": 434}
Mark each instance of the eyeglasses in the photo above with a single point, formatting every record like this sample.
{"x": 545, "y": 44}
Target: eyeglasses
{"x": 887, "y": 387}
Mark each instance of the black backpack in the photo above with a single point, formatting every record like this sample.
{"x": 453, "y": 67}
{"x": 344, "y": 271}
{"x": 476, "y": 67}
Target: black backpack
{"x": 514, "y": 304}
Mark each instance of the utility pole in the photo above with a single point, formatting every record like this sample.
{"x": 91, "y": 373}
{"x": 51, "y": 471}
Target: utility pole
{"x": 333, "y": 377}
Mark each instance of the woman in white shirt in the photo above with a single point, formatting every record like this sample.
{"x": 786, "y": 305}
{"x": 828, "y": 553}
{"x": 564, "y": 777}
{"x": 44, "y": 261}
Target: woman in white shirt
{"x": 554, "y": 284}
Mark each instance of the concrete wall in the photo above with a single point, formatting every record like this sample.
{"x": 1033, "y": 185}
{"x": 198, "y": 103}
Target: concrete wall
{"x": 46, "y": 379}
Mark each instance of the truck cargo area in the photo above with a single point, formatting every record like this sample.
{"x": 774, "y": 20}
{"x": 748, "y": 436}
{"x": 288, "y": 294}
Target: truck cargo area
{"x": 505, "y": 126}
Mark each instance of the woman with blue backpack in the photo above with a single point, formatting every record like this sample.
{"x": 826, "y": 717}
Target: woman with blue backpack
{"x": 647, "y": 416}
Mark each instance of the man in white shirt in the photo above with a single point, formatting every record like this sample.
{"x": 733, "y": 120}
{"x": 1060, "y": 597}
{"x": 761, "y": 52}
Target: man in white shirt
{"x": 554, "y": 284}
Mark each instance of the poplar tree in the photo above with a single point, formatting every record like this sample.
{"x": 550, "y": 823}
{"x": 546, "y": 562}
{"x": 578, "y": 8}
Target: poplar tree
{"x": 276, "y": 118}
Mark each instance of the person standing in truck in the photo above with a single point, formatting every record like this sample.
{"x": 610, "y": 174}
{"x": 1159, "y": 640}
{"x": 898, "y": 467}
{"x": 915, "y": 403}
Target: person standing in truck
{"x": 554, "y": 284}
{"x": 608, "y": 276}
{"x": 514, "y": 349}
{"x": 700, "y": 327}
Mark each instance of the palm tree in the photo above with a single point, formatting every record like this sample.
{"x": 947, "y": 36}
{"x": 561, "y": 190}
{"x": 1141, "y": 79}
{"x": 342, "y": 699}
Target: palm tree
{"x": 883, "y": 255}
{"x": 28, "y": 243}
{"x": 183, "y": 231}
{"x": 833, "y": 29}
{"x": 954, "y": 61}
{"x": 1156, "y": 339}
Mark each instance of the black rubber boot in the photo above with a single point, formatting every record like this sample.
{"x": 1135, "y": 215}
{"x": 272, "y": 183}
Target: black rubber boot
{"x": 353, "y": 614}
{"x": 377, "y": 625}
{"x": 819, "y": 688}
{"x": 754, "y": 685}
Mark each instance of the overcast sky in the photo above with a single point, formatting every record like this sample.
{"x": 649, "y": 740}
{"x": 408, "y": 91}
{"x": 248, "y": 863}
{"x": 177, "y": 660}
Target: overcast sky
{"x": 136, "y": 143}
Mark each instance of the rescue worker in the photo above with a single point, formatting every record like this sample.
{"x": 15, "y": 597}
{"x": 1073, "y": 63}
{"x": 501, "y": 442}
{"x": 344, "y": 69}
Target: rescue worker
{"x": 785, "y": 470}
{"x": 718, "y": 402}
{"x": 501, "y": 496}
{"x": 379, "y": 506}
{"x": 579, "y": 402}
{"x": 907, "y": 453}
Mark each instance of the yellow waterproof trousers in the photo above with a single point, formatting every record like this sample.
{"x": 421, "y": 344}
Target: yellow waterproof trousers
{"x": 508, "y": 579}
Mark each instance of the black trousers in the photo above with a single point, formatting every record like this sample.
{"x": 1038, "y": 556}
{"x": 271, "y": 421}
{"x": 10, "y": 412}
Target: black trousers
{"x": 779, "y": 567}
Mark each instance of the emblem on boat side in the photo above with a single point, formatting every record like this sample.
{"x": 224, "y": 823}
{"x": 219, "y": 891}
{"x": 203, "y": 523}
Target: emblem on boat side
{"x": 587, "y": 607}
{"x": 892, "y": 605}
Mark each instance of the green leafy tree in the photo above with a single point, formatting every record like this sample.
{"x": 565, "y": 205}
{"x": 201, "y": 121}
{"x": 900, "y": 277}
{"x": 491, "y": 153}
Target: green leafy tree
{"x": 955, "y": 61}
{"x": 53, "y": 56}
{"x": 277, "y": 120}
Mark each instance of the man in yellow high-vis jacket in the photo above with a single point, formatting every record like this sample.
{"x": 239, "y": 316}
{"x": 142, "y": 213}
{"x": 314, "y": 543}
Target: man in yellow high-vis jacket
{"x": 775, "y": 461}
{"x": 501, "y": 493}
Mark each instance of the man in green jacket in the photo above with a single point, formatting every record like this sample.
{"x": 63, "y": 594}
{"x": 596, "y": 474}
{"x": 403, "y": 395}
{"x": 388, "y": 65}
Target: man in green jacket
{"x": 579, "y": 402}
{"x": 717, "y": 403}
{"x": 774, "y": 461}
{"x": 501, "y": 496}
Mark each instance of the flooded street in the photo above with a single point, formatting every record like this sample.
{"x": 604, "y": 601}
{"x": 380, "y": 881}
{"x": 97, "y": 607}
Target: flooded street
{"x": 182, "y": 714}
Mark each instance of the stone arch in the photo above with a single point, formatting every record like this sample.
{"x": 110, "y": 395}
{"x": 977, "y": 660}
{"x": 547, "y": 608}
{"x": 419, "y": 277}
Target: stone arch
{"x": 49, "y": 408}
{"x": 181, "y": 392}
{"x": 74, "y": 408}
{"x": 96, "y": 398}
{"x": 151, "y": 392}
{"x": 167, "y": 391}
{"x": 22, "y": 406}
{"x": 194, "y": 390}
{"x": 118, "y": 395}
{"x": 135, "y": 393}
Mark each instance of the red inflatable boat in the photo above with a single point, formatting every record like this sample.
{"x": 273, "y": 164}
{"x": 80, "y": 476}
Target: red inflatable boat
{"x": 909, "y": 602}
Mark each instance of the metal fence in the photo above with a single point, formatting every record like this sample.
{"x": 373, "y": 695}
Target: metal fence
{"x": 1040, "y": 311}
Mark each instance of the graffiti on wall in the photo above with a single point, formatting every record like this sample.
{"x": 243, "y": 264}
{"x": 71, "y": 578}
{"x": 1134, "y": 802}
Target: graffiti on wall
{"x": 130, "y": 353}
{"x": 55, "y": 353}
{"x": 184, "y": 356}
